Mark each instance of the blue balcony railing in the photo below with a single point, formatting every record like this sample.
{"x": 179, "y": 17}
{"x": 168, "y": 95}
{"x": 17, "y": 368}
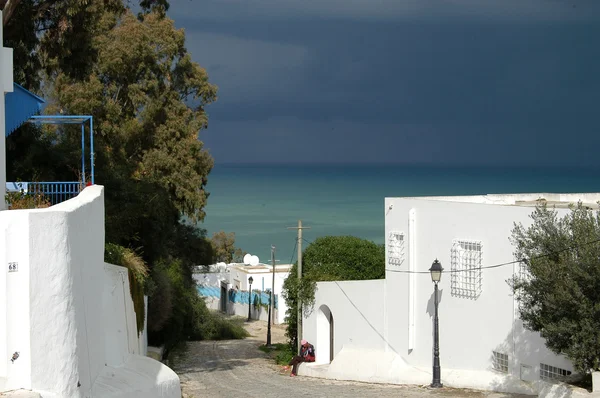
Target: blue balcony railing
{"x": 54, "y": 192}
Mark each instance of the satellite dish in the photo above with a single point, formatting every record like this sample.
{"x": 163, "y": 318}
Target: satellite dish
{"x": 254, "y": 260}
{"x": 247, "y": 258}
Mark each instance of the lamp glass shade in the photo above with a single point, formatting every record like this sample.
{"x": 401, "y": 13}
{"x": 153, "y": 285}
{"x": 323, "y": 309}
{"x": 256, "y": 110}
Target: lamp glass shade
{"x": 250, "y": 280}
{"x": 436, "y": 271}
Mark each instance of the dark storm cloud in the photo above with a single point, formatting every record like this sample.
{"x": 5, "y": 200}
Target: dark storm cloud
{"x": 399, "y": 81}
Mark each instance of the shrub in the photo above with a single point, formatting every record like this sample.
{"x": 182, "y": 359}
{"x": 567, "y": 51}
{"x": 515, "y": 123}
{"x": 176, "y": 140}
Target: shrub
{"x": 18, "y": 201}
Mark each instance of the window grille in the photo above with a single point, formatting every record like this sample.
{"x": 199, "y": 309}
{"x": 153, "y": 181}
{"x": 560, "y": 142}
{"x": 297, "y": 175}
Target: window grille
{"x": 396, "y": 248}
{"x": 466, "y": 277}
{"x": 548, "y": 372}
{"x": 500, "y": 362}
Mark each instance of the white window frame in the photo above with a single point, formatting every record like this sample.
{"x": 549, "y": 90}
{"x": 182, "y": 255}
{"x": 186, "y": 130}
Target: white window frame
{"x": 396, "y": 248}
{"x": 466, "y": 262}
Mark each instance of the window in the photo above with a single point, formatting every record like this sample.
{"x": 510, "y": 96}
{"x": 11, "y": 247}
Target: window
{"x": 500, "y": 362}
{"x": 396, "y": 248}
{"x": 466, "y": 259}
{"x": 548, "y": 372}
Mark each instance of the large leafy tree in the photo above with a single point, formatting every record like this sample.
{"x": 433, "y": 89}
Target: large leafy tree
{"x": 559, "y": 287}
{"x": 224, "y": 249}
{"x": 135, "y": 76}
{"x": 147, "y": 150}
{"x": 329, "y": 258}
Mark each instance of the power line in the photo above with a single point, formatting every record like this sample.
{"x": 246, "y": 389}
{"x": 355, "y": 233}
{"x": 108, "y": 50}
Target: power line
{"x": 502, "y": 264}
{"x": 294, "y": 251}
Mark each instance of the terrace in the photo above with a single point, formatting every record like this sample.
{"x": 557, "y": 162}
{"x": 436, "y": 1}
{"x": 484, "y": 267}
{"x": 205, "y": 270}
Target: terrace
{"x": 22, "y": 107}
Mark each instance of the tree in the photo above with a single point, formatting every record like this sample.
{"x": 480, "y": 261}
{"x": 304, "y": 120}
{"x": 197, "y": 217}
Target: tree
{"x": 148, "y": 99}
{"x": 329, "y": 258}
{"x": 558, "y": 289}
{"x": 224, "y": 250}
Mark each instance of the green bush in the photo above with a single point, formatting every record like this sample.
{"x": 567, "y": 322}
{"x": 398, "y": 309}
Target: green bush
{"x": 211, "y": 325}
{"x": 329, "y": 258}
{"x": 178, "y": 313}
{"x": 281, "y": 353}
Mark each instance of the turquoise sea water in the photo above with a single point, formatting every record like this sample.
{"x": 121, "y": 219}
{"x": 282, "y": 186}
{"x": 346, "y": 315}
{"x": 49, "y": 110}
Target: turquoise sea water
{"x": 258, "y": 202}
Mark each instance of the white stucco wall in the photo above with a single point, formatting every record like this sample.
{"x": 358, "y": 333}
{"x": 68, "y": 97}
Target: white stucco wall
{"x": 357, "y": 309}
{"x": 68, "y": 314}
{"x": 470, "y": 330}
{"x": 239, "y": 277}
{"x": 395, "y": 346}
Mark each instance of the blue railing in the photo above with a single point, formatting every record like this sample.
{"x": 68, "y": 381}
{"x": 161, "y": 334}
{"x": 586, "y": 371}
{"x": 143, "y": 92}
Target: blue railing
{"x": 54, "y": 192}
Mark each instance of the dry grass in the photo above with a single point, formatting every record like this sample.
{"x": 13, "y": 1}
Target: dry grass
{"x": 135, "y": 263}
{"x": 19, "y": 201}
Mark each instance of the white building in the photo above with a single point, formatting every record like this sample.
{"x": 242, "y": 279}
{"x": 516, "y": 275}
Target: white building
{"x": 387, "y": 323}
{"x": 234, "y": 278}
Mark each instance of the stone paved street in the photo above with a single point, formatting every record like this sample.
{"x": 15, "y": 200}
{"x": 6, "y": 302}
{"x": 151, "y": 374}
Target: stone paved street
{"x": 237, "y": 368}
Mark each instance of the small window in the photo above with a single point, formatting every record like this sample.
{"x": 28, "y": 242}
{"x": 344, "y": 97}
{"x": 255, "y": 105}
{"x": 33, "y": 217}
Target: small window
{"x": 500, "y": 362}
{"x": 466, "y": 259}
{"x": 396, "y": 248}
{"x": 548, "y": 372}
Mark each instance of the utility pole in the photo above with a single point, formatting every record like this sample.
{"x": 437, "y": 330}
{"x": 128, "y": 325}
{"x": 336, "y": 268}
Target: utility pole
{"x": 299, "y": 323}
{"x": 271, "y": 298}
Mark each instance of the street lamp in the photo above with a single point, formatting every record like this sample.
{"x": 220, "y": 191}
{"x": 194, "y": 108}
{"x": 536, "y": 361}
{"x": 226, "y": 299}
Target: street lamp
{"x": 436, "y": 274}
{"x": 269, "y": 322}
{"x": 250, "y": 280}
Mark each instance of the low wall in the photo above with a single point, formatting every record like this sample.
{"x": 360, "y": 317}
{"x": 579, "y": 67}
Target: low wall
{"x": 71, "y": 318}
{"x": 353, "y": 311}
{"x": 239, "y": 307}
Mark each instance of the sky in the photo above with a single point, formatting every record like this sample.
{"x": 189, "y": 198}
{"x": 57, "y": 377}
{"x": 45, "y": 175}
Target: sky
{"x": 442, "y": 82}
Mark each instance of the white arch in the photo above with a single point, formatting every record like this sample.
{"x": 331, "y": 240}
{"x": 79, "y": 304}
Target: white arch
{"x": 325, "y": 335}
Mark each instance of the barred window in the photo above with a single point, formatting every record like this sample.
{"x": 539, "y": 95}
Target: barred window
{"x": 396, "y": 248}
{"x": 548, "y": 372}
{"x": 500, "y": 362}
{"x": 466, "y": 260}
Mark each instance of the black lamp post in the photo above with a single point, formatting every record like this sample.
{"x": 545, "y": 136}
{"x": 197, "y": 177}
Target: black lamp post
{"x": 269, "y": 322}
{"x": 250, "y": 280}
{"x": 436, "y": 274}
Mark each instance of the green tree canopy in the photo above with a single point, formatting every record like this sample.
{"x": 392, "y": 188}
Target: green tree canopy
{"x": 134, "y": 75}
{"x": 224, "y": 249}
{"x": 330, "y": 258}
{"x": 559, "y": 288}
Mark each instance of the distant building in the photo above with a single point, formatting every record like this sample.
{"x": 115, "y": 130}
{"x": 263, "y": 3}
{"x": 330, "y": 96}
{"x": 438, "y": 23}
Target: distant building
{"x": 387, "y": 323}
{"x": 225, "y": 287}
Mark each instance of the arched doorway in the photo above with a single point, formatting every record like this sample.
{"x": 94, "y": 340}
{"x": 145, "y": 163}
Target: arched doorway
{"x": 325, "y": 335}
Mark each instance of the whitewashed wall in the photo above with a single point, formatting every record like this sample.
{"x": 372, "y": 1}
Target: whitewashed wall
{"x": 261, "y": 281}
{"x": 470, "y": 329}
{"x": 69, "y": 315}
{"x": 357, "y": 309}
{"x": 242, "y": 310}
{"x": 389, "y": 323}
{"x": 264, "y": 281}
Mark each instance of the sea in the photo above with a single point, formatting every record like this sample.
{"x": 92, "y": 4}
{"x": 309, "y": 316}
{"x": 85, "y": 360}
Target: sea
{"x": 258, "y": 202}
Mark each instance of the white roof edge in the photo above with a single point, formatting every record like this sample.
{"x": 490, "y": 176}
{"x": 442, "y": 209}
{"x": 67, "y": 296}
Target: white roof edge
{"x": 519, "y": 199}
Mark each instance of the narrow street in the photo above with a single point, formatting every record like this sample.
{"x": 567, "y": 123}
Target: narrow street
{"x": 237, "y": 368}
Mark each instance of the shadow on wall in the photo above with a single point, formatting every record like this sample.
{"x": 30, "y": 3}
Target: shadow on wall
{"x": 521, "y": 359}
{"x": 431, "y": 303}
